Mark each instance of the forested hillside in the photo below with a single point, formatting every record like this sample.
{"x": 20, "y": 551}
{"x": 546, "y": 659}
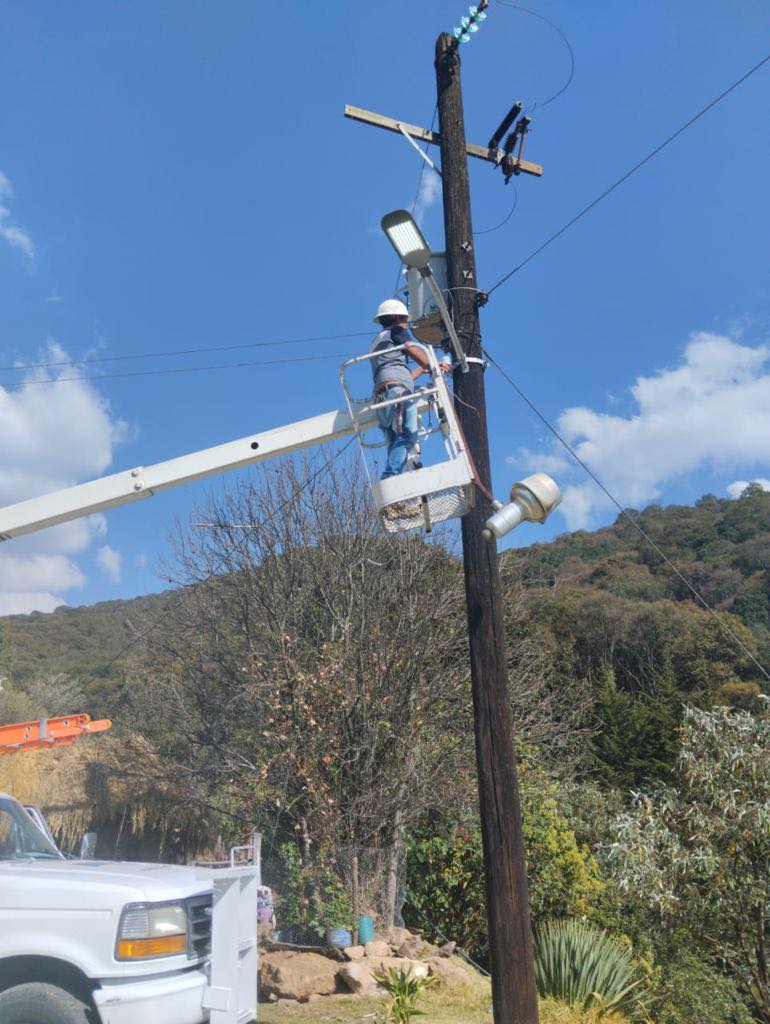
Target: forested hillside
{"x": 607, "y": 618}
{"x": 617, "y": 617}
{"x": 97, "y": 645}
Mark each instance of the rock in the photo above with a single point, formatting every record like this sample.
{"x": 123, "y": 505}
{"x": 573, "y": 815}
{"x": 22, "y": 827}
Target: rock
{"x": 414, "y": 948}
{"x": 288, "y": 975}
{"x": 377, "y": 948}
{"x": 354, "y": 952}
{"x": 449, "y": 971}
{"x": 359, "y": 979}
{"x": 382, "y": 964}
{"x": 447, "y": 949}
{"x": 396, "y": 936}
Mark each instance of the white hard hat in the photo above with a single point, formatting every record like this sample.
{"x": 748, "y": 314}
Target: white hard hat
{"x": 391, "y": 307}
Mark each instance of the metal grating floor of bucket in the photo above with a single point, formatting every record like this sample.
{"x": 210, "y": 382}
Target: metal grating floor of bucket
{"x": 451, "y": 503}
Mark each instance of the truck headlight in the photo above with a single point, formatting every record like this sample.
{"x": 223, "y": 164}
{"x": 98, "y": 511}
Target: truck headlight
{"x": 151, "y": 930}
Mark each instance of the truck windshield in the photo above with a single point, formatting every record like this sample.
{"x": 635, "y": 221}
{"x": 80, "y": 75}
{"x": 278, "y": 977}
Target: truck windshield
{"x": 20, "y": 838}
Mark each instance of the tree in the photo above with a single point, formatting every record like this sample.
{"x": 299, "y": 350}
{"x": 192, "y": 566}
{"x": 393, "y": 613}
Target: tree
{"x": 697, "y": 853}
{"x": 312, "y": 677}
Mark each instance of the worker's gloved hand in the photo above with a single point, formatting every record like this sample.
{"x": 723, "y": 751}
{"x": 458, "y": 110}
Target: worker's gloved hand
{"x": 445, "y": 366}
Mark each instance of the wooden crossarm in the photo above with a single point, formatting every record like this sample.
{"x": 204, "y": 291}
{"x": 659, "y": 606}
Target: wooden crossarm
{"x": 390, "y": 124}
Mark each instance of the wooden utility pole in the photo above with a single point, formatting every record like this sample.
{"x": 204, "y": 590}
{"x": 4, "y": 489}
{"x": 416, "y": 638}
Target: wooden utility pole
{"x": 514, "y": 995}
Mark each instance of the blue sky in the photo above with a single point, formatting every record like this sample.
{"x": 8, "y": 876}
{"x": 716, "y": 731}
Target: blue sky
{"x": 179, "y": 175}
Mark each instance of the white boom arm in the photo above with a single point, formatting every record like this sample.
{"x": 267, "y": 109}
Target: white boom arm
{"x": 144, "y": 481}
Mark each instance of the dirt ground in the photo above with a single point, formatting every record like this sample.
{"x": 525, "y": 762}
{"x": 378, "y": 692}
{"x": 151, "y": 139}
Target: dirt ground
{"x": 471, "y": 1006}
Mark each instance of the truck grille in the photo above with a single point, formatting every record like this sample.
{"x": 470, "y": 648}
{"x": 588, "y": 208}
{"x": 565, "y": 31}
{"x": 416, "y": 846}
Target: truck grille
{"x": 199, "y": 910}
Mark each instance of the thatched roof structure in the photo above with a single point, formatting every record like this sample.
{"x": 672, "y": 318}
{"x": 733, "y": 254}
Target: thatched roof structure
{"x": 114, "y": 786}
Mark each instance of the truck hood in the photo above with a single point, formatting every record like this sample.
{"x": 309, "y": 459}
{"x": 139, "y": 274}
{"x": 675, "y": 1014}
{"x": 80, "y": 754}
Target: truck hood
{"x": 134, "y": 882}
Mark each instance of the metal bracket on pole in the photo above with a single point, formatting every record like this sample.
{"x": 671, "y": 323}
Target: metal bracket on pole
{"x": 442, "y": 308}
{"x": 422, "y": 152}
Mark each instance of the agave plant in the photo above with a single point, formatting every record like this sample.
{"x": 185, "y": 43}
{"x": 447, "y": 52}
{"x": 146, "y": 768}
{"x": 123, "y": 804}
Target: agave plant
{"x": 580, "y": 964}
{"x": 403, "y": 990}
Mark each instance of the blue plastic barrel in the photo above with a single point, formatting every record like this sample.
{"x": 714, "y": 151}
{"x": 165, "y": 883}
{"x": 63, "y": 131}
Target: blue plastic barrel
{"x": 338, "y": 938}
{"x": 365, "y": 930}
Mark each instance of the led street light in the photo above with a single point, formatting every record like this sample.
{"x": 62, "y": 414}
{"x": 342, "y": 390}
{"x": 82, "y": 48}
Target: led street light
{"x": 413, "y": 250}
{"x": 406, "y": 238}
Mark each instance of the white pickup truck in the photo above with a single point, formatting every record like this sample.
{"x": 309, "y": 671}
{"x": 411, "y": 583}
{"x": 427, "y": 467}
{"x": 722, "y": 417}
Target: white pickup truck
{"x": 83, "y": 942}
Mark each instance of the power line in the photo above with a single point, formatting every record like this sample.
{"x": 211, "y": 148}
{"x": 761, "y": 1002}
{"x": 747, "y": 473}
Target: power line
{"x": 186, "y": 351}
{"x": 586, "y": 209}
{"x": 571, "y": 52}
{"x": 186, "y": 369}
{"x": 624, "y": 512}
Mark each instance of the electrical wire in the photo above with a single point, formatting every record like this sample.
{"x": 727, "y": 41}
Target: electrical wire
{"x": 183, "y": 369}
{"x": 586, "y": 209}
{"x": 571, "y": 52}
{"x": 488, "y": 231}
{"x": 186, "y": 351}
{"x": 626, "y": 514}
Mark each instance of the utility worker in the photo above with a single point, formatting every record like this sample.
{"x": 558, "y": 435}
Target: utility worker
{"x": 393, "y": 378}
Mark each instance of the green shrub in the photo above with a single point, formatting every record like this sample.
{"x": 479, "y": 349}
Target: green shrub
{"x": 311, "y": 897}
{"x": 446, "y": 870}
{"x": 582, "y": 965}
{"x": 686, "y": 990}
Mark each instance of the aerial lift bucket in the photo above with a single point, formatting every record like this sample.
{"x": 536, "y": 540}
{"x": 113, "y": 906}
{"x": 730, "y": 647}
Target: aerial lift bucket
{"x": 423, "y": 495}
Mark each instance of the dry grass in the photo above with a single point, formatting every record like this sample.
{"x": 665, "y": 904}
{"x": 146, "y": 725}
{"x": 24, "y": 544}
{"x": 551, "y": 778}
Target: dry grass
{"x": 95, "y": 782}
{"x": 472, "y": 1005}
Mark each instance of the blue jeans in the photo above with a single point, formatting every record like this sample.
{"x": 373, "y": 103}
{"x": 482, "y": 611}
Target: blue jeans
{"x": 400, "y": 441}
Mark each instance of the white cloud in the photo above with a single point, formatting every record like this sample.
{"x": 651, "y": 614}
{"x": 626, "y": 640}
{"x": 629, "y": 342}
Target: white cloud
{"x": 713, "y": 410}
{"x": 110, "y": 562}
{"x": 54, "y": 434}
{"x": 31, "y": 572}
{"x": 737, "y": 487}
{"x": 430, "y": 191}
{"x": 12, "y": 233}
{"x": 23, "y": 604}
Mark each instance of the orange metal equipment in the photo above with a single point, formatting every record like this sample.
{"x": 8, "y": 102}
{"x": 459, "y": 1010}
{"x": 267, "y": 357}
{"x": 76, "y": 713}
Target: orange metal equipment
{"x": 48, "y": 732}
